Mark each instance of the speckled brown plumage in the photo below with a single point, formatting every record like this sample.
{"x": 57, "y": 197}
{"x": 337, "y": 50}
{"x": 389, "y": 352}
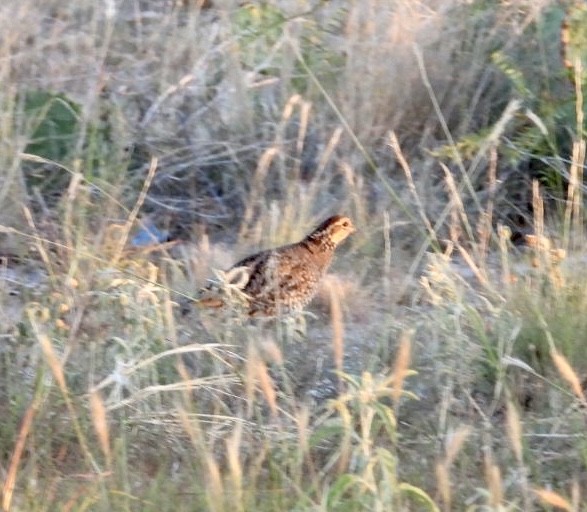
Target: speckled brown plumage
{"x": 284, "y": 280}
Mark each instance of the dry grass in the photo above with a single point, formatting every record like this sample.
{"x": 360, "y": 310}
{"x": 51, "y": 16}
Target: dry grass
{"x": 442, "y": 365}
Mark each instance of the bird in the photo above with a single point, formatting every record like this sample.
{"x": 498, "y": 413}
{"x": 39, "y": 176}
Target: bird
{"x": 283, "y": 280}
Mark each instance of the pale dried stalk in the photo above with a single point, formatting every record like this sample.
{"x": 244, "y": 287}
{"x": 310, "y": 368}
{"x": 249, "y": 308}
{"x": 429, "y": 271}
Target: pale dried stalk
{"x": 292, "y": 180}
{"x": 345, "y": 444}
{"x": 257, "y": 188}
{"x": 504, "y": 234}
{"x": 302, "y": 419}
{"x": 56, "y": 367}
{"x": 170, "y": 91}
{"x": 266, "y": 385}
{"x": 25, "y": 428}
{"x": 72, "y": 191}
{"x": 487, "y": 217}
{"x": 493, "y": 480}
{"x": 401, "y": 366}
{"x": 135, "y": 211}
{"x": 455, "y": 443}
{"x": 495, "y": 491}
{"x": 251, "y": 373}
{"x": 443, "y": 485}
{"x": 576, "y": 494}
{"x": 394, "y": 143}
{"x": 538, "y": 207}
{"x": 579, "y": 164}
{"x": 294, "y": 100}
{"x": 337, "y": 325}
{"x": 39, "y": 243}
{"x": 214, "y": 487}
{"x": 355, "y": 185}
{"x": 233, "y": 445}
{"x": 257, "y": 372}
{"x": 289, "y": 180}
{"x": 387, "y": 263}
{"x": 317, "y": 181}
{"x": 457, "y": 201}
{"x": 567, "y": 373}
{"x": 514, "y": 430}
{"x": 479, "y": 272}
{"x": 453, "y": 446}
{"x": 579, "y": 149}
{"x": 100, "y": 421}
{"x": 553, "y": 499}
{"x": 302, "y": 132}
{"x": 574, "y": 193}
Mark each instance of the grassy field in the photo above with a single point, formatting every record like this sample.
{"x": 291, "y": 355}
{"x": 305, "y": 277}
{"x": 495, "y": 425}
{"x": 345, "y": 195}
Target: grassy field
{"x": 443, "y": 362}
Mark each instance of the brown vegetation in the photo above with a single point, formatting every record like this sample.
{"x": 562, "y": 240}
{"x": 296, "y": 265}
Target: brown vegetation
{"x": 145, "y": 144}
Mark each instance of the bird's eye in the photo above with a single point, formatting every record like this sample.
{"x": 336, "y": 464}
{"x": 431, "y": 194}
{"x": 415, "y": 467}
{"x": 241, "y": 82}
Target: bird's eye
{"x": 345, "y": 224}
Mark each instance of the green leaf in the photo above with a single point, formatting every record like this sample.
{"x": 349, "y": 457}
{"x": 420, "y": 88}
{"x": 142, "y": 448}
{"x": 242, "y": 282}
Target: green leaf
{"x": 421, "y": 495}
{"x": 55, "y": 120}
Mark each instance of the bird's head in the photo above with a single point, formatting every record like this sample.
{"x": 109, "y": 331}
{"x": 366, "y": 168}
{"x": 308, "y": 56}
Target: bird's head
{"x": 333, "y": 230}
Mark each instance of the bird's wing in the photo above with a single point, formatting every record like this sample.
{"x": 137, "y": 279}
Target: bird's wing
{"x": 283, "y": 273}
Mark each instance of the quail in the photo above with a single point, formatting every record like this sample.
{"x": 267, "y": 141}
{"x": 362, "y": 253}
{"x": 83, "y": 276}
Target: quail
{"x": 283, "y": 280}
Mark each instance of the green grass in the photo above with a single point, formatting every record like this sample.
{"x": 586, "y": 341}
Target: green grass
{"x": 442, "y": 367}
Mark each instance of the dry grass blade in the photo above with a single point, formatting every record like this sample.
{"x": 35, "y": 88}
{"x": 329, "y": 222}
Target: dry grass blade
{"x": 514, "y": 429}
{"x": 485, "y": 227}
{"x": 266, "y": 385}
{"x": 302, "y": 419}
{"x": 72, "y": 192}
{"x": 250, "y": 377}
{"x": 192, "y": 428}
{"x": 100, "y": 421}
{"x": 262, "y": 125}
{"x": 394, "y": 143}
{"x": 215, "y": 350}
{"x": 233, "y": 446}
{"x": 576, "y": 493}
{"x": 443, "y": 485}
{"x": 294, "y": 100}
{"x": 401, "y": 366}
{"x": 455, "y": 443}
{"x": 553, "y": 499}
{"x": 493, "y": 481}
{"x": 272, "y": 352}
{"x": 39, "y": 242}
{"x": 214, "y": 487}
{"x": 179, "y": 386}
{"x": 135, "y": 211}
{"x": 479, "y": 272}
{"x": 345, "y": 444}
{"x": 355, "y": 183}
{"x": 504, "y": 235}
{"x": 538, "y": 209}
{"x": 495, "y": 486}
{"x": 53, "y": 361}
{"x": 304, "y": 119}
{"x": 457, "y": 200}
{"x": 171, "y": 90}
{"x": 205, "y": 454}
{"x": 56, "y": 367}
{"x": 317, "y": 182}
{"x": 258, "y": 373}
{"x": 25, "y": 428}
{"x": 567, "y": 373}
{"x": 257, "y": 188}
{"x": 337, "y": 324}
{"x": 575, "y": 194}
